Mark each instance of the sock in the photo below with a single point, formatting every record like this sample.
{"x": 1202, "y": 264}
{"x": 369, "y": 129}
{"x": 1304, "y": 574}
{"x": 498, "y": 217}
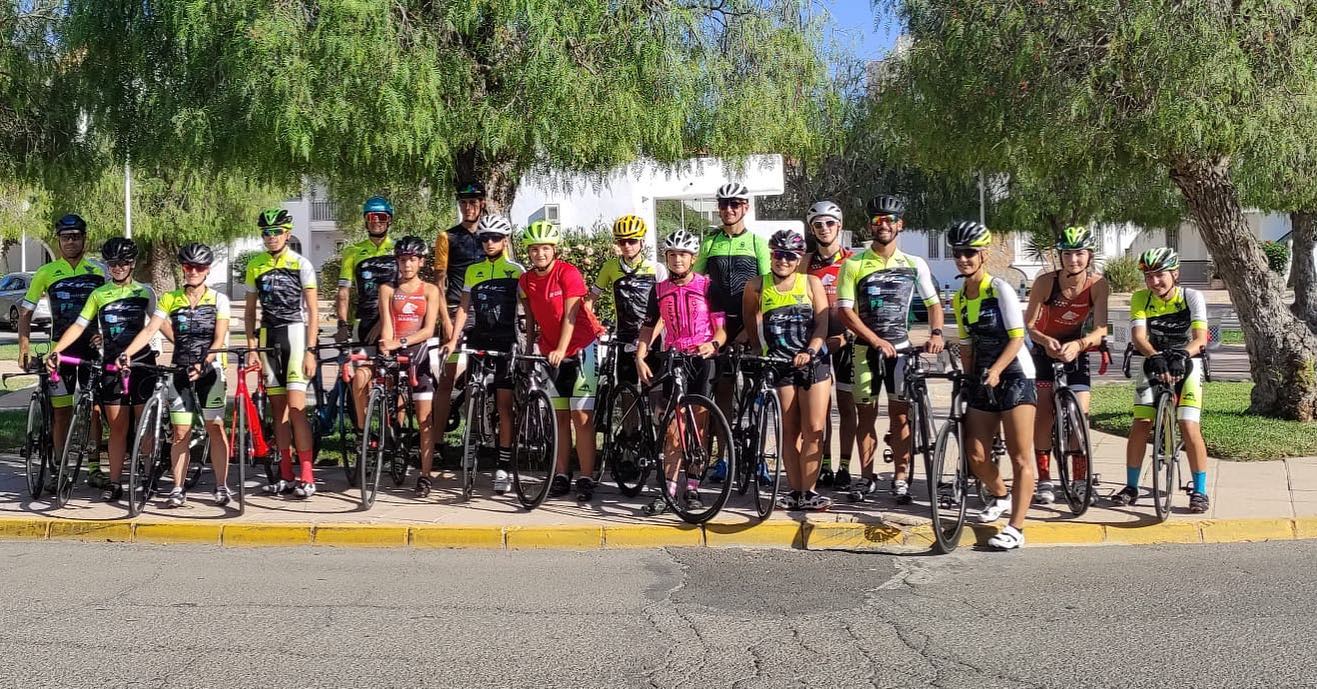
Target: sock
{"x": 1132, "y": 476}
{"x": 827, "y": 463}
{"x": 308, "y": 473}
{"x": 1080, "y": 468}
{"x": 1043, "y": 458}
{"x": 844, "y": 464}
{"x": 1200, "y": 482}
{"x": 505, "y": 458}
{"x": 692, "y": 484}
{"x": 286, "y": 464}
{"x": 672, "y": 488}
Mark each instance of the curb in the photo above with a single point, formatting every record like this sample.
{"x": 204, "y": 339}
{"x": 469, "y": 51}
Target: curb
{"x": 804, "y": 535}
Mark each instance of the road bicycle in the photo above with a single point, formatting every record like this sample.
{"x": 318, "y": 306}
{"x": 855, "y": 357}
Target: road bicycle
{"x": 151, "y": 455}
{"x": 946, "y": 466}
{"x": 481, "y": 431}
{"x": 1070, "y": 441}
{"x": 38, "y": 439}
{"x": 78, "y": 444}
{"x": 535, "y": 425}
{"x": 390, "y": 431}
{"x": 757, "y": 427}
{"x": 612, "y": 394}
{"x": 335, "y": 410}
{"x": 249, "y": 429}
{"x": 1167, "y": 447}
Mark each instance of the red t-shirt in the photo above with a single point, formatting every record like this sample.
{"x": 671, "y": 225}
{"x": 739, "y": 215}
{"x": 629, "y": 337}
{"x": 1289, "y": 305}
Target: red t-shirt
{"x": 547, "y": 295}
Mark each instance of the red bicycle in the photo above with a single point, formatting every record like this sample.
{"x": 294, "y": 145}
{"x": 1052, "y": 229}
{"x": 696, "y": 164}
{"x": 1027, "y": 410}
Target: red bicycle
{"x": 247, "y": 440}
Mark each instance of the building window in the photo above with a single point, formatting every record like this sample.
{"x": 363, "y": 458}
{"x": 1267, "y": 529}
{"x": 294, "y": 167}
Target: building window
{"x": 1173, "y": 238}
{"x": 934, "y": 245}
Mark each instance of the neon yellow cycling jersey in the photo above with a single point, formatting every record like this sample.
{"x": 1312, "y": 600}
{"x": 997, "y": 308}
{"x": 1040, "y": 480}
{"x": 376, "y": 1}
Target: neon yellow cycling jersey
{"x": 279, "y": 282}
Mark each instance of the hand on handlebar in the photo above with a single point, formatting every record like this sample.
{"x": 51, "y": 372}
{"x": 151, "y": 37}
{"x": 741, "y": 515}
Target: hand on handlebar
{"x": 253, "y": 360}
{"x": 556, "y": 356}
{"x": 1070, "y": 351}
{"x": 884, "y": 346}
{"x": 643, "y": 372}
{"x": 52, "y": 360}
{"x": 801, "y": 360}
{"x": 707, "y": 350}
{"x": 935, "y": 344}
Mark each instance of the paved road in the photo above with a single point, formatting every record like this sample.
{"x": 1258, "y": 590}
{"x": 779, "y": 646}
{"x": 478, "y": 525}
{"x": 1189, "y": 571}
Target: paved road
{"x": 100, "y": 615}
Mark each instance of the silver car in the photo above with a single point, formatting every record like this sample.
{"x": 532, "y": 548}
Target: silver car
{"x": 13, "y": 288}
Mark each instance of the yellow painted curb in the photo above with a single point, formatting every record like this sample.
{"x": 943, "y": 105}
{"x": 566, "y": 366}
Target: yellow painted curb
{"x": 1076, "y": 533}
{"x": 1248, "y": 530}
{"x": 1305, "y": 527}
{"x": 361, "y": 535}
{"x": 771, "y": 534}
{"x": 443, "y": 536}
{"x": 653, "y": 536}
{"x": 91, "y": 531}
{"x": 268, "y": 534}
{"x": 178, "y": 532}
{"x": 1166, "y": 532}
{"x": 569, "y": 537}
{"x": 921, "y": 535}
{"x": 25, "y": 529}
{"x": 851, "y": 535}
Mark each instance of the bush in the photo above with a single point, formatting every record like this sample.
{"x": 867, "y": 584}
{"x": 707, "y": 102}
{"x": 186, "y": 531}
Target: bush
{"x": 238, "y": 266}
{"x": 1278, "y": 256}
{"x": 1123, "y": 274}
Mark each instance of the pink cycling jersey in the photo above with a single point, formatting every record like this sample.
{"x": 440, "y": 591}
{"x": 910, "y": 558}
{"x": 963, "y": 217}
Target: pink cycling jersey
{"x": 684, "y": 310}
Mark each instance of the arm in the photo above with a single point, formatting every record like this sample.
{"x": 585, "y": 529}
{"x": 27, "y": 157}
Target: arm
{"x": 387, "y": 343}
{"x": 1101, "y": 297}
{"x": 1139, "y": 323}
{"x": 343, "y": 298}
{"x": 221, "y": 336}
{"x": 143, "y": 338}
{"x": 820, "y": 299}
{"x": 312, "y": 330}
{"x": 434, "y": 306}
{"x": 962, "y": 334}
{"x": 753, "y": 317}
{"x": 1041, "y": 287}
{"x": 26, "y": 309}
{"x": 570, "y": 309}
{"x": 459, "y": 321}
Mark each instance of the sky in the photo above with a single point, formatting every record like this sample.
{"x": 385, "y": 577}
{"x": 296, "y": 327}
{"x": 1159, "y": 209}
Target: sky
{"x": 853, "y": 24}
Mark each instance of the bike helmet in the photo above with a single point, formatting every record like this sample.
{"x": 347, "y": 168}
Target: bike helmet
{"x": 1076, "y": 238}
{"x": 275, "y": 217}
{"x": 470, "y": 190}
{"x": 411, "y": 245}
{"x": 823, "y": 209}
{"x": 681, "y": 240}
{"x": 196, "y": 253}
{"x": 733, "y": 190}
{"x": 119, "y": 249}
{"x": 885, "y": 205}
{"x": 630, "y": 227}
{"x": 377, "y": 204}
{"x": 541, "y": 232}
{"x": 494, "y": 223}
{"x": 787, "y": 240}
{"x": 71, "y": 223}
{"x": 1157, "y": 260}
{"x": 968, "y": 234}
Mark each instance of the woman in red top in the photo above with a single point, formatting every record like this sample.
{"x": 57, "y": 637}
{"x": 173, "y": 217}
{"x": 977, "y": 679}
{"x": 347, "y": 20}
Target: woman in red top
{"x": 553, "y": 292}
{"x": 409, "y": 310}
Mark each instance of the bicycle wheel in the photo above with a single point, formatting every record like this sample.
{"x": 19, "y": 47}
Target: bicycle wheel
{"x": 630, "y": 452}
{"x": 146, "y": 448}
{"x": 403, "y": 440}
{"x": 347, "y": 437}
{"x": 373, "y": 440}
{"x": 1073, "y": 453}
{"x": 261, "y": 402}
{"x": 745, "y": 433}
{"x": 919, "y": 424}
{"x": 1164, "y": 442}
{"x": 703, "y": 438}
{"x": 768, "y": 465}
{"x": 240, "y": 452}
{"x": 536, "y": 450}
{"x": 472, "y": 438}
{"x": 36, "y": 446}
{"x": 948, "y": 487}
{"x": 75, "y": 448}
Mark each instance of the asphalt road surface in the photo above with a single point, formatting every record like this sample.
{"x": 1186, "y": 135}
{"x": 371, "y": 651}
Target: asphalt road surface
{"x": 105, "y": 615}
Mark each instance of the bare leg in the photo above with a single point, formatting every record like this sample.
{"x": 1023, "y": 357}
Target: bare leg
{"x": 117, "y": 417}
{"x": 219, "y": 451}
{"x": 899, "y": 427}
{"x": 791, "y": 438}
{"x": 583, "y": 422}
{"x": 868, "y": 436}
{"x": 846, "y": 426}
{"x": 1019, "y": 424}
{"x": 425, "y": 427}
{"x": 813, "y": 416}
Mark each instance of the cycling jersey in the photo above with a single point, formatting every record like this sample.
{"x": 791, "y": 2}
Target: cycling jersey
{"x": 1064, "y": 318}
{"x": 368, "y": 266}
{"x": 880, "y": 291}
{"x": 989, "y": 321}
{"x": 493, "y": 284}
{"x": 279, "y": 282}
{"x": 193, "y": 326}
{"x": 455, "y": 250}
{"x": 120, "y": 311}
{"x": 408, "y": 312}
{"x": 631, "y": 285}
{"x": 547, "y": 296}
{"x": 730, "y": 262}
{"x": 1170, "y": 323}
{"x": 787, "y": 316}
{"x": 687, "y": 311}
{"x": 828, "y": 269}
{"x": 68, "y": 287}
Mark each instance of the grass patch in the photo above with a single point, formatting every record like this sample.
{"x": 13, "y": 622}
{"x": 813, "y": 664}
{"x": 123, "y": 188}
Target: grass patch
{"x": 1229, "y": 431}
{"x": 1232, "y": 337}
{"x": 13, "y": 423}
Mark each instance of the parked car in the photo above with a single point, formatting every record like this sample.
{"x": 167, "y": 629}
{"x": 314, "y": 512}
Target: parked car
{"x": 919, "y": 312}
{"x": 13, "y": 288}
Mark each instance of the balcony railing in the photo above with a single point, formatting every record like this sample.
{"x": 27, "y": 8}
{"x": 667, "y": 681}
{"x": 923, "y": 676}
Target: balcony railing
{"x": 322, "y": 210}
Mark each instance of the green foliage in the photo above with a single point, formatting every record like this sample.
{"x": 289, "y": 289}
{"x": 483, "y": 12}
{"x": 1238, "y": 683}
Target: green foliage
{"x": 670, "y": 216}
{"x": 328, "y": 276}
{"x": 238, "y": 265}
{"x": 1122, "y": 273}
{"x": 1278, "y": 256}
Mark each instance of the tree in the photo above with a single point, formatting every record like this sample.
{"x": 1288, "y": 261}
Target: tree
{"x": 1008, "y": 85}
{"x": 38, "y": 119}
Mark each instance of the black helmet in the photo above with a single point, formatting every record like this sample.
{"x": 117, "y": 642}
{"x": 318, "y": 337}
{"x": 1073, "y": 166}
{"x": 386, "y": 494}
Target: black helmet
{"x": 968, "y": 234}
{"x": 275, "y": 217}
{"x": 197, "y": 254}
{"x": 470, "y": 190}
{"x": 71, "y": 223}
{"x": 119, "y": 249}
{"x": 787, "y": 240}
{"x": 885, "y": 205}
{"x": 410, "y": 245}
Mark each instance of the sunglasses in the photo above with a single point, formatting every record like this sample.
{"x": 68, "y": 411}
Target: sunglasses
{"x": 731, "y": 203}
{"x": 786, "y": 256}
{"x": 885, "y": 219}
{"x": 825, "y": 224}
{"x": 490, "y": 237}
{"x": 271, "y": 231}
{"x": 377, "y": 216}
{"x": 628, "y": 242}
{"x": 120, "y": 264}
{"x": 69, "y": 237}
{"x": 195, "y": 267}
{"x": 964, "y": 253}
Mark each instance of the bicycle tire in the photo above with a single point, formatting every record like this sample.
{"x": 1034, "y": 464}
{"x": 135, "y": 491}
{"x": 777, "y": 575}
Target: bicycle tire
{"x": 744, "y": 436}
{"x": 400, "y": 446}
{"x": 373, "y": 440}
{"x": 695, "y": 461}
{"x": 1164, "y": 444}
{"x": 36, "y": 447}
{"x": 919, "y": 415}
{"x": 947, "y": 505}
{"x": 348, "y": 441}
{"x": 536, "y": 451}
{"x": 142, "y": 461}
{"x": 1072, "y": 424}
{"x": 241, "y": 454}
{"x": 75, "y": 449}
{"x": 472, "y": 437}
{"x": 602, "y": 419}
{"x": 629, "y": 443}
{"x": 1207, "y": 366}
{"x": 768, "y": 429}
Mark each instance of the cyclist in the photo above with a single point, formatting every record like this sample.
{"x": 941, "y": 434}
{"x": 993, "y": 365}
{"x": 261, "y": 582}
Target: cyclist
{"x": 367, "y": 264}
{"x": 120, "y": 309}
{"x": 1060, "y": 305}
{"x": 67, "y": 281}
{"x": 631, "y": 276}
{"x": 825, "y": 261}
{"x": 1001, "y": 386}
{"x": 455, "y": 250}
{"x": 284, "y": 282}
{"x": 196, "y": 320}
{"x": 489, "y": 302}
{"x": 790, "y": 313}
{"x": 874, "y": 291}
{"x": 1168, "y": 324}
{"x": 682, "y": 309}
{"x": 409, "y": 322}
{"x": 554, "y": 298}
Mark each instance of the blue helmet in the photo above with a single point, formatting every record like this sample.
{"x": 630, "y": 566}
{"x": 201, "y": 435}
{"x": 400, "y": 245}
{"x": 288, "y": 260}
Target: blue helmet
{"x": 377, "y": 204}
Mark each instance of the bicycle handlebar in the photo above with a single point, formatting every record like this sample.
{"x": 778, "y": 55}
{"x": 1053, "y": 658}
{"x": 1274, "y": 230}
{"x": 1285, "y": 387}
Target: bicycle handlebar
{"x": 77, "y": 361}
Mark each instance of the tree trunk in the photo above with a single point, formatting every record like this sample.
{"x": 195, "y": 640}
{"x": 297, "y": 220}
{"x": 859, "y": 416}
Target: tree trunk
{"x": 163, "y": 255}
{"x": 1304, "y": 271}
{"x": 500, "y": 177}
{"x": 1281, "y": 349}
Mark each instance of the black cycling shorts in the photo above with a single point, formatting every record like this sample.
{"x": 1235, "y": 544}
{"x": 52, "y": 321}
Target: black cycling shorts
{"x": 141, "y": 384}
{"x": 1077, "y": 374}
{"x": 843, "y": 367}
{"x": 1009, "y": 394}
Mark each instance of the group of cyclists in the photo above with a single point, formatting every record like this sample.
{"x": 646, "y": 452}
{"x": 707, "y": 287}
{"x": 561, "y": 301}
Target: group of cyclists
{"x": 832, "y": 320}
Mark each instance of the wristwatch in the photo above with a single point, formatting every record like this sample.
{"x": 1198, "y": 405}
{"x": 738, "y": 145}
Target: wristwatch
{"x": 402, "y": 341}
{"x": 935, "y": 332}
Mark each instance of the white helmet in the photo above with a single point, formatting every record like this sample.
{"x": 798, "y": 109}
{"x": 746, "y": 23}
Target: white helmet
{"x": 733, "y": 190}
{"x": 495, "y": 224}
{"x": 823, "y": 209}
{"x": 681, "y": 240}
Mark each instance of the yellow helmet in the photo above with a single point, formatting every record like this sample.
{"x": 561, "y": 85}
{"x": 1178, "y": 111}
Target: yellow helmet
{"x": 629, "y": 227}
